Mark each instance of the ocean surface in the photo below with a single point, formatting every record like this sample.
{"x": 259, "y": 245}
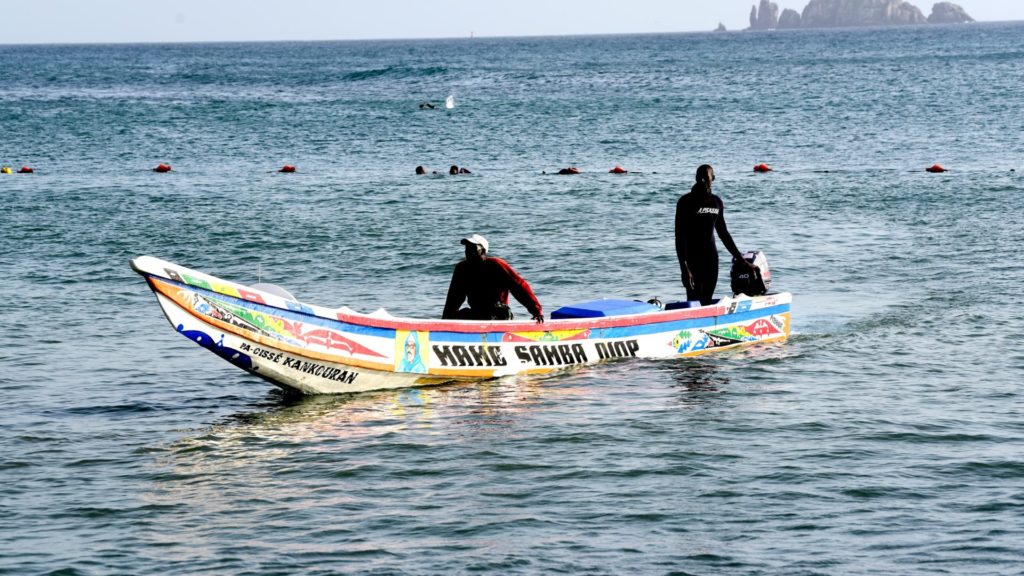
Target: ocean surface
{"x": 885, "y": 437}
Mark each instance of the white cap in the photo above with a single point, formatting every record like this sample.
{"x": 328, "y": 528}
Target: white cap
{"x": 476, "y": 239}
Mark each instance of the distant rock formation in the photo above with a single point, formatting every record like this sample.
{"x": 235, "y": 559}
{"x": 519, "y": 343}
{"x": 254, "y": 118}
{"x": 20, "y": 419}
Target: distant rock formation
{"x": 721, "y": 27}
{"x": 835, "y": 13}
{"x": 948, "y": 13}
{"x": 790, "y": 19}
{"x": 766, "y": 17}
{"x": 842, "y": 13}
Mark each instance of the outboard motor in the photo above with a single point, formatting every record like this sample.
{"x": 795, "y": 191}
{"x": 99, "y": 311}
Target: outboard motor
{"x": 751, "y": 282}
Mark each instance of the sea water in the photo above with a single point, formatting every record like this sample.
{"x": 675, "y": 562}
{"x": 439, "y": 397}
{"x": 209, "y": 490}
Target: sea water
{"x": 885, "y": 437}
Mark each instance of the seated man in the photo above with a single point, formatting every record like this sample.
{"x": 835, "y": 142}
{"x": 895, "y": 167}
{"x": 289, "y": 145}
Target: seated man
{"x": 486, "y": 282}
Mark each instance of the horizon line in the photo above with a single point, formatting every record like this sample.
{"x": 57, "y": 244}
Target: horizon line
{"x": 474, "y": 36}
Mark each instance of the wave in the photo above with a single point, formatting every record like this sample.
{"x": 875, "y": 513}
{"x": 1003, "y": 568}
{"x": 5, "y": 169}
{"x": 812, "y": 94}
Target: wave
{"x": 395, "y": 72}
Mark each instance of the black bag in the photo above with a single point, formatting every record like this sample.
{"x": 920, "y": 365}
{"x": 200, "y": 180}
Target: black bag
{"x": 501, "y": 312}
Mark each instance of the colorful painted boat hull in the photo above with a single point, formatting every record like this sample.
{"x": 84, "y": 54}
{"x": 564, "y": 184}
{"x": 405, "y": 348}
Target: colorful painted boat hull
{"x": 315, "y": 350}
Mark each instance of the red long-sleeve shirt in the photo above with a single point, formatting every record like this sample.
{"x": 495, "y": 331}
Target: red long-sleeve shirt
{"x": 485, "y": 284}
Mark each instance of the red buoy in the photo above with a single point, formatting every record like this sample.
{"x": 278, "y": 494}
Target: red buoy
{"x": 287, "y": 168}
{"x": 762, "y": 167}
{"x": 25, "y": 170}
{"x": 618, "y": 170}
{"x": 936, "y": 168}
{"x": 162, "y": 168}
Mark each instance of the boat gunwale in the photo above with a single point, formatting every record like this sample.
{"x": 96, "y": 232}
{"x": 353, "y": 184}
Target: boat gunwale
{"x": 464, "y": 326}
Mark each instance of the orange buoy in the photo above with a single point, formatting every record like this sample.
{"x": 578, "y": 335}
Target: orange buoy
{"x": 162, "y": 168}
{"x": 762, "y": 167}
{"x": 936, "y": 168}
{"x": 25, "y": 170}
{"x": 618, "y": 170}
{"x": 287, "y": 168}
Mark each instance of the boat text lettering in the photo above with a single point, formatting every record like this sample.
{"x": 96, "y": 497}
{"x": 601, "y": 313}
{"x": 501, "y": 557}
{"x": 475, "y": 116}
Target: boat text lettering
{"x": 319, "y": 370}
{"x": 469, "y": 355}
{"x": 262, "y": 353}
{"x": 552, "y": 354}
{"x": 620, "y": 349}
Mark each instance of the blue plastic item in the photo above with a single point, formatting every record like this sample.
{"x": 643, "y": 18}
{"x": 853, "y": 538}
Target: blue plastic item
{"x": 601, "y": 308}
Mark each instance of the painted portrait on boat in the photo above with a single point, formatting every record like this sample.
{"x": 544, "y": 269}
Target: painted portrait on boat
{"x": 409, "y": 347}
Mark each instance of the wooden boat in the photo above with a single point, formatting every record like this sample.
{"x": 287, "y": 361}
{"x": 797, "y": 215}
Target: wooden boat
{"x": 314, "y": 350}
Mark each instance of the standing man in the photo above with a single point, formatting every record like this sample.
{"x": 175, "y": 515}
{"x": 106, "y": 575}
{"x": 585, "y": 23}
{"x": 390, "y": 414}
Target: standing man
{"x": 699, "y": 215}
{"x": 486, "y": 282}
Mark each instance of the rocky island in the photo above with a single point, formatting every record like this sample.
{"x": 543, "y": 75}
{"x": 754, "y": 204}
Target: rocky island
{"x": 842, "y": 13}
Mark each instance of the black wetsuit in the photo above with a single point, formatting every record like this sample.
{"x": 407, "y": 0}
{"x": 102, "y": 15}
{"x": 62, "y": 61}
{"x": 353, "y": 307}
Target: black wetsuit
{"x": 699, "y": 215}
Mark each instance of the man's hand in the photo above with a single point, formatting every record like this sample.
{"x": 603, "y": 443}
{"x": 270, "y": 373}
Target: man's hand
{"x": 687, "y": 278}
{"x": 539, "y": 318}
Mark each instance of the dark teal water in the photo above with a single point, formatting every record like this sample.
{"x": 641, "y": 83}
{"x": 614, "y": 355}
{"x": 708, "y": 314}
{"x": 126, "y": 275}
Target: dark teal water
{"x": 885, "y": 438}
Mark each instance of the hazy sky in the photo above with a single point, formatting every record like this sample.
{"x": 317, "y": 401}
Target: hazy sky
{"x": 48, "y": 21}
